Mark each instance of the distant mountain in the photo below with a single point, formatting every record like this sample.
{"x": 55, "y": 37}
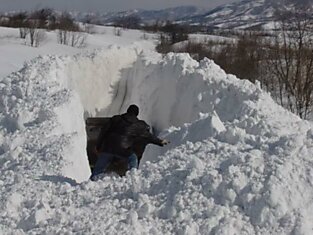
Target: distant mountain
{"x": 147, "y": 16}
{"x": 244, "y": 14}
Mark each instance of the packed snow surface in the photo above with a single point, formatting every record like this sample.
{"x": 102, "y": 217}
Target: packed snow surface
{"x": 237, "y": 164}
{"x": 14, "y": 51}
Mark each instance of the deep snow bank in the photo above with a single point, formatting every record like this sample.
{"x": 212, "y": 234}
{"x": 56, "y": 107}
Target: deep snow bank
{"x": 238, "y": 163}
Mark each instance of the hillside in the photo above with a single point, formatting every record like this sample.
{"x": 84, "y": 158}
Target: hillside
{"x": 146, "y": 16}
{"x": 243, "y": 14}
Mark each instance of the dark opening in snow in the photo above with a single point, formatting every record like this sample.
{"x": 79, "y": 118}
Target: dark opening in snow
{"x": 93, "y": 128}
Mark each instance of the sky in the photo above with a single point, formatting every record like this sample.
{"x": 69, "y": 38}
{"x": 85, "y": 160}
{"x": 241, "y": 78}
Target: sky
{"x": 104, "y": 5}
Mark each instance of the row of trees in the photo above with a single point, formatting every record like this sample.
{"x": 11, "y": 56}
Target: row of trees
{"x": 290, "y": 62}
{"x": 32, "y": 26}
{"x": 281, "y": 60}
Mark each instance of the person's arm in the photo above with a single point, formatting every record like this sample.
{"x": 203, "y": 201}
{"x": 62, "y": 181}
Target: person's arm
{"x": 151, "y": 138}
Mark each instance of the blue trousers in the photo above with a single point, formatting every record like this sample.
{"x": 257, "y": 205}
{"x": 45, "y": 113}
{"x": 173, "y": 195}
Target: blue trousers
{"x": 105, "y": 159}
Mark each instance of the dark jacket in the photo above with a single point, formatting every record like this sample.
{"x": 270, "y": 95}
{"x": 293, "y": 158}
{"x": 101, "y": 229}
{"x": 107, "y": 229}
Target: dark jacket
{"x": 123, "y": 133}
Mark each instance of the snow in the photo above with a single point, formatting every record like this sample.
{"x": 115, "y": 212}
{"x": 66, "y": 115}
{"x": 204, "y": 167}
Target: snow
{"x": 202, "y": 38}
{"x": 238, "y": 163}
{"x": 14, "y": 51}
{"x": 240, "y": 15}
{"x": 270, "y": 26}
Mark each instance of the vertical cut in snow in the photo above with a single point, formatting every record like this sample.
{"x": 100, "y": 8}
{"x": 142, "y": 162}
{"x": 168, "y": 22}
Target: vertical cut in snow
{"x": 42, "y": 123}
{"x": 95, "y": 77}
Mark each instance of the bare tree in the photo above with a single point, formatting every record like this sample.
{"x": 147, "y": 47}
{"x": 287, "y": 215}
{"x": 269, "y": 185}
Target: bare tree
{"x": 45, "y": 17}
{"x": 39, "y": 37}
{"x": 89, "y": 28}
{"x": 78, "y": 39}
{"x": 19, "y": 20}
{"x": 290, "y": 61}
{"x": 32, "y": 29}
{"x": 176, "y": 33}
{"x": 144, "y": 36}
{"x": 117, "y": 31}
{"x": 69, "y": 33}
{"x": 65, "y": 25}
{"x": 23, "y": 32}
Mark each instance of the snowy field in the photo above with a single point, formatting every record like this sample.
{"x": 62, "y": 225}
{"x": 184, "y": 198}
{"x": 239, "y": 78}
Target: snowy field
{"x": 14, "y": 52}
{"x": 237, "y": 164}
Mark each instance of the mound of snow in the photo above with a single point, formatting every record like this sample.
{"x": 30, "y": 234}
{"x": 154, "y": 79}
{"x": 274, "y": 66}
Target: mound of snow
{"x": 237, "y": 164}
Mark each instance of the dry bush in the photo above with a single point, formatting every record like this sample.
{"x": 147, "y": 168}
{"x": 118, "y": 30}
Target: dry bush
{"x": 35, "y": 34}
{"x": 89, "y": 28}
{"x": 45, "y": 17}
{"x": 144, "y": 36}
{"x": 72, "y": 38}
{"x": 290, "y": 61}
{"x": 39, "y": 37}
{"x": 117, "y": 31}
{"x": 78, "y": 39}
{"x": 69, "y": 33}
{"x": 23, "y": 32}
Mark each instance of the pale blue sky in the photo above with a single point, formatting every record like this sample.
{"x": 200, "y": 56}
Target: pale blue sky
{"x": 104, "y": 5}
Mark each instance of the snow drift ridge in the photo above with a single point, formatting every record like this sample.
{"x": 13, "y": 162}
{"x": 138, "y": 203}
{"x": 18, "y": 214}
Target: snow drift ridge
{"x": 238, "y": 162}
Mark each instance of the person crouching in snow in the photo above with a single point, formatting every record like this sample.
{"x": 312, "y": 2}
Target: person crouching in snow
{"x": 118, "y": 139}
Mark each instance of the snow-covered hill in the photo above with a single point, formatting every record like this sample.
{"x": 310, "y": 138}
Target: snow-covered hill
{"x": 146, "y": 16}
{"x": 240, "y": 165}
{"x": 237, "y": 15}
{"x": 244, "y": 14}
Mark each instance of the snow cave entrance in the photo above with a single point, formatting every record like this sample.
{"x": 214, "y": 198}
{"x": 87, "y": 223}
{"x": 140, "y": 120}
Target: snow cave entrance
{"x": 93, "y": 128}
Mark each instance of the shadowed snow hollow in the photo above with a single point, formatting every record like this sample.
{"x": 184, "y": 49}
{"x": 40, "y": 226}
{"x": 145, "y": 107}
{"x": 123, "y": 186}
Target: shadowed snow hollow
{"x": 237, "y": 164}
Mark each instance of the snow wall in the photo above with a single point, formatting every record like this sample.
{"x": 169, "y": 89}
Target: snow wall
{"x": 237, "y": 163}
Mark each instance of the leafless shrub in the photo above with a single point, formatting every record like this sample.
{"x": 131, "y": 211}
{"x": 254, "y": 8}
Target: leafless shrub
{"x": 18, "y": 20}
{"x": 89, "y": 28}
{"x": 72, "y": 38}
{"x": 170, "y": 35}
{"x": 69, "y": 33}
{"x": 164, "y": 46}
{"x": 39, "y": 37}
{"x": 290, "y": 61}
{"x": 36, "y": 35}
{"x": 44, "y": 17}
{"x": 23, "y": 32}
{"x": 175, "y": 33}
{"x": 117, "y": 31}
{"x": 78, "y": 39}
{"x": 144, "y": 36}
